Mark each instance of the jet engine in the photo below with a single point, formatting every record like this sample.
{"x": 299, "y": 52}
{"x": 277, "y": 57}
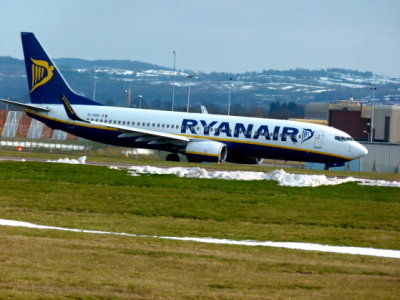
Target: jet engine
{"x": 210, "y": 151}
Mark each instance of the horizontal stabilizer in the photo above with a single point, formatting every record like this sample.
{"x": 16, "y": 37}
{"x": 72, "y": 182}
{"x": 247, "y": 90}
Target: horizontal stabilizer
{"x": 25, "y": 105}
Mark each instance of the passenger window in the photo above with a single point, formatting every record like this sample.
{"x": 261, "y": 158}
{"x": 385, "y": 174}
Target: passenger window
{"x": 123, "y": 122}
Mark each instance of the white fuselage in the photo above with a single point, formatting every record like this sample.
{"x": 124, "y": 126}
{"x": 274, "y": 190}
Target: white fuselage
{"x": 257, "y": 137}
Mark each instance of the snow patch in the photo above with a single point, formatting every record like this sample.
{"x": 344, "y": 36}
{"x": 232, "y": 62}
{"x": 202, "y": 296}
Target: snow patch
{"x": 287, "y": 245}
{"x": 283, "y": 178}
{"x": 136, "y": 151}
{"x": 80, "y": 161}
{"x": 246, "y": 87}
{"x": 164, "y": 73}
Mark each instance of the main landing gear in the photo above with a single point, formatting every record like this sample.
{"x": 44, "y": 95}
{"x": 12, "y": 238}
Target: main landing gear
{"x": 172, "y": 157}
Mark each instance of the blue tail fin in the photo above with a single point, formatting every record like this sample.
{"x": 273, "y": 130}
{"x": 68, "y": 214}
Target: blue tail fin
{"x": 46, "y": 83}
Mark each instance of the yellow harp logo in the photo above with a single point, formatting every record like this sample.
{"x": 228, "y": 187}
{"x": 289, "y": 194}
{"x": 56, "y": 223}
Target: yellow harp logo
{"x": 42, "y": 72}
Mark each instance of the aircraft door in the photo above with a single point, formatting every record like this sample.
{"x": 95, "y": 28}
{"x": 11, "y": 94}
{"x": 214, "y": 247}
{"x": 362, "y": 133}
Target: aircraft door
{"x": 319, "y": 136}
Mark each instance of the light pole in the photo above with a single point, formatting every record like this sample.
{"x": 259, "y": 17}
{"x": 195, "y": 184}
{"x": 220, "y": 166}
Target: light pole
{"x": 140, "y": 100}
{"x": 371, "y": 136}
{"x": 229, "y": 97}
{"x": 94, "y": 84}
{"x": 366, "y": 133}
{"x": 129, "y": 95}
{"x": 175, "y": 52}
{"x": 188, "y": 100}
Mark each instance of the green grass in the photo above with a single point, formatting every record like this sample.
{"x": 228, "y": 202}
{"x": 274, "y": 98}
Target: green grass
{"x": 46, "y": 264}
{"x": 103, "y": 156}
{"x": 237, "y": 209}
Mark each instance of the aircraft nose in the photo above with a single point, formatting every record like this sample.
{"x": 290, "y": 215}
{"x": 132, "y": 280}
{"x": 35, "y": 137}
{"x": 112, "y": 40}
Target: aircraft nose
{"x": 360, "y": 150}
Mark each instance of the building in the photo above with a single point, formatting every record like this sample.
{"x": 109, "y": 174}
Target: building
{"x": 387, "y": 123}
{"x": 352, "y": 117}
{"x": 355, "y": 118}
{"x": 382, "y": 157}
{"x": 317, "y": 111}
{"x": 16, "y": 124}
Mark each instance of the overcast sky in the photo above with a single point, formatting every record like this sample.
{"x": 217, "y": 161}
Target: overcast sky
{"x": 213, "y": 35}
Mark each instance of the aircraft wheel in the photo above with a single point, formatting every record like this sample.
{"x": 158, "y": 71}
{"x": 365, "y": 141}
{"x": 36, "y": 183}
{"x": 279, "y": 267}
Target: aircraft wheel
{"x": 173, "y": 157}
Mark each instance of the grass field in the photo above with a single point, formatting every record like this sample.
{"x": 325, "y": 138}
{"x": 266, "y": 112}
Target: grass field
{"x": 52, "y": 264}
{"x": 102, "y": 157}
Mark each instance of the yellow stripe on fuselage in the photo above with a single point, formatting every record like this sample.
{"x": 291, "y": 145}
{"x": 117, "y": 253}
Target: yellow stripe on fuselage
{"x": 69, "y": 122}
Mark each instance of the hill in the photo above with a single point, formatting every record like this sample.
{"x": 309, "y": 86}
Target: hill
{"x": 251, "y": 92}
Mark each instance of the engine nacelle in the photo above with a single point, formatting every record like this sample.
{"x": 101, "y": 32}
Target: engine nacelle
{"x": 245, "y": 160}
{"x": 199, "y": 151}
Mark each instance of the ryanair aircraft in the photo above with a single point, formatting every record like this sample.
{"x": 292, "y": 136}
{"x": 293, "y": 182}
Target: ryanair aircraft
{"x": 200, "y": 137}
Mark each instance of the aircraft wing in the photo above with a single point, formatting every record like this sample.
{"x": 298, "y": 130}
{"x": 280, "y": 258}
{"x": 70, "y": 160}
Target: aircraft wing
{"x": 143, "y": 135}
{"x": 151, "y": 136}
{"x": 25, "y": 105}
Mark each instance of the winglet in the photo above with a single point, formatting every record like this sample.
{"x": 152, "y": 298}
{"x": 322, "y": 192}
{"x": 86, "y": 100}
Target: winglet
{"x": 70, "y": 111}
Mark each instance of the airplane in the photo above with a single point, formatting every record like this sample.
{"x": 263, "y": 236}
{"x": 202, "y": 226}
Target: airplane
{"x": 201, "y": 137}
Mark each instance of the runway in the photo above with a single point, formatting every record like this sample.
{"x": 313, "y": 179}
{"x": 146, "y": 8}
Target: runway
{"x": 23, "y": 159}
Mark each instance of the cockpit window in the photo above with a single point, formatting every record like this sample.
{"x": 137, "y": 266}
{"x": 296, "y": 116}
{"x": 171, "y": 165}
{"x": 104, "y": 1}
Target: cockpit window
{"x": 343, "y": 138}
